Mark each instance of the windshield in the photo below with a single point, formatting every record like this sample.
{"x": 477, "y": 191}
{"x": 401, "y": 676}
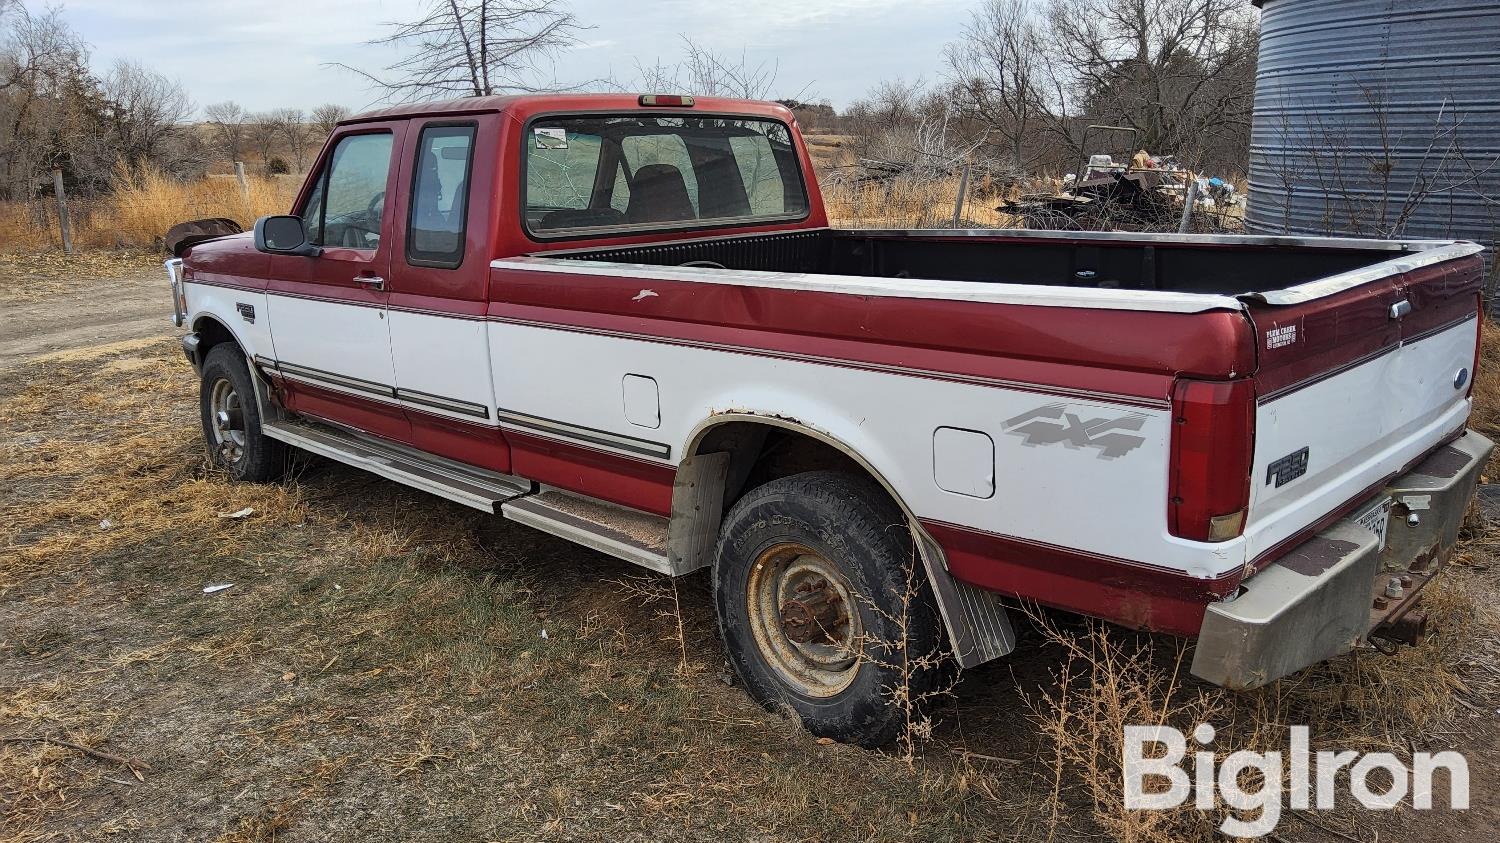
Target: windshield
{"x": 658, "y": 172}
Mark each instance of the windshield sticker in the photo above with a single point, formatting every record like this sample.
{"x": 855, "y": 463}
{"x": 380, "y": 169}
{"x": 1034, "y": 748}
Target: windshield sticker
{"x": 550, "y": 137}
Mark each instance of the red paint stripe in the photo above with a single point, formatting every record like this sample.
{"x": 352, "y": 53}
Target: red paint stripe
{"x": 577, "y": 468}
{"x": 600, "y": 474}
{"x": 1130, "y": 353}
{"x": 905, "y": 371}
{"x": 210, "y": 280}
{"x": 437, "y": 305}
{"x": 458, "y": 439}
{"x": 1339, "y": 331}
{"x": 1128, "y": 593}
{"x": 377, "y": 417}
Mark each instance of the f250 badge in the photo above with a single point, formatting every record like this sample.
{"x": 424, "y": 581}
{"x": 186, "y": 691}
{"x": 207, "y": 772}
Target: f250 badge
{"x": 1057, "y": 424}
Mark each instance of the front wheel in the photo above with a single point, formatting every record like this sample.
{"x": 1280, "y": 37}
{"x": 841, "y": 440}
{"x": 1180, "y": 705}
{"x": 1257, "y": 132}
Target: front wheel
{"x": 823, "y": 606}
{"x": 231, "y": 419}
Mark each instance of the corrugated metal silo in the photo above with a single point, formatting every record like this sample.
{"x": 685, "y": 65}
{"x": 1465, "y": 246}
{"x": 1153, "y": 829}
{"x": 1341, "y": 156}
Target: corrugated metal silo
{"x": 1377, "y": 118}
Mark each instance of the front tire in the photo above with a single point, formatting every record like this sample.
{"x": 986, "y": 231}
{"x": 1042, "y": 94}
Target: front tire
{"x": 823, "y": 606}
{"x": 231, "y": 419}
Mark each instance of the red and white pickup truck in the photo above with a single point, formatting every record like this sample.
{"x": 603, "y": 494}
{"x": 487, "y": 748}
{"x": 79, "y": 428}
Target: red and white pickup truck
{"x": 626, "y": 321}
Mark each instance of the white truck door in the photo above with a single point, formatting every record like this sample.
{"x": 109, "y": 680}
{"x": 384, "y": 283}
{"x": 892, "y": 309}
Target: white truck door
{"x": 328, "y": 314}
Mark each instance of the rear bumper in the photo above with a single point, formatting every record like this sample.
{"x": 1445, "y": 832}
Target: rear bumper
{"x": 1320, "y": 600}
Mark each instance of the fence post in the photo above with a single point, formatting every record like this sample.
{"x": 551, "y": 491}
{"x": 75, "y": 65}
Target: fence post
{"x": 1189, "y": 198}
{"x": 239, "y": 176}
{"x": 62, "y": 211}
{"x": 963, "y": 188}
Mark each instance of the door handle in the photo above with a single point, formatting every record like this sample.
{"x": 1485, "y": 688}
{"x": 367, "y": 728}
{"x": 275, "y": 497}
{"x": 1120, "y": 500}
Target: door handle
{"x": 1400, "y": 309}
{"x": 374, "y": 282}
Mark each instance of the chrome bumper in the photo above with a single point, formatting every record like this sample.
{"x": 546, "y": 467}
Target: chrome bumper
{"x": 1328, "y": 594}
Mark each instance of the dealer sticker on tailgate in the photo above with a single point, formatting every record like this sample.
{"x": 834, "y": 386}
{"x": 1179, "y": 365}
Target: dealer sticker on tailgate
{"x": 1375, "y": 519}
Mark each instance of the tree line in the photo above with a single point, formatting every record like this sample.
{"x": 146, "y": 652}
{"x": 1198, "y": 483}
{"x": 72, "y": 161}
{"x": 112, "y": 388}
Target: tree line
{"x": 1026, "y": 79}
{"x": 57, "y": 112}
{"x": 1020, "y": 87}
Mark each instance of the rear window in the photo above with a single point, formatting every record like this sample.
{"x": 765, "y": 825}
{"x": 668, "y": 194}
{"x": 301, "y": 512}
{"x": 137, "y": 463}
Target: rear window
{"x": 644, "y": 172}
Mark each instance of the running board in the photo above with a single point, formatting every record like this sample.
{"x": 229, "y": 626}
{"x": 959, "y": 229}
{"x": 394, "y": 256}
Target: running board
{"x": 623, "y": 533}
{"x": 470, "y": 486}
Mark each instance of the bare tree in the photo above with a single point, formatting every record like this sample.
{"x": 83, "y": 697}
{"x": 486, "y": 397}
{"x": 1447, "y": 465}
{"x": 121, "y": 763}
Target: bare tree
{"x": 997, "y": 73}
{"x": 473, "y": 48}
{"x": 147, "y": 110}
{"x": 228, "y": 122}
{"x": 326, "y": 117}
{"x": 45, "y": 89}
{"x": 1181, "y": 72}
{"x": 264, "y": 133}
{"x": 290, "y": 125}
{"x": 706, "y": 73}
{"x": 911, "y": 125}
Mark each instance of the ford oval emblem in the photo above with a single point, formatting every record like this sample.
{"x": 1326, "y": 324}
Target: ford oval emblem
{"x": 1461, "y": 378}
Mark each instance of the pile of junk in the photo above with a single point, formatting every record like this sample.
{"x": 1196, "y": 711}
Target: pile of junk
{"x": 1146, "y": 193}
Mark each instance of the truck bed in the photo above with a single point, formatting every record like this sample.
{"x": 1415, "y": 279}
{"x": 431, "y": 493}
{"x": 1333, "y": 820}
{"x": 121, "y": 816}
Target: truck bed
{"x": 1098, "y": 260}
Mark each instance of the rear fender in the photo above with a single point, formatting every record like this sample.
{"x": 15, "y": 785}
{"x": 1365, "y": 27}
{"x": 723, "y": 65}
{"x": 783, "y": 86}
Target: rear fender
{"x": 978, "y": 626}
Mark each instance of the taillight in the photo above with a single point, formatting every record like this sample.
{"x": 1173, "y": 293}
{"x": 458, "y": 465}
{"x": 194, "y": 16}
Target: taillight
{"x": 1213, "y": 444}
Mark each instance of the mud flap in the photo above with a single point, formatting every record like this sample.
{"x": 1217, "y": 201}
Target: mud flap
{"x": 978, "y": 626}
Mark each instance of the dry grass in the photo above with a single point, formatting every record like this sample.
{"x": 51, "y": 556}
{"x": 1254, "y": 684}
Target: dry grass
{"x": 142, "y": 206}
{"x": 1110, "y": 678}
{"x": 379, "y": 665}
{"x": 914, "y": 203}
{"x": 36, "y": 277}
{"x": 1400, "y": 703}
{"x": 1486, "y": 418}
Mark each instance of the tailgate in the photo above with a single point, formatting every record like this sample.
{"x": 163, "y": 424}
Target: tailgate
{"x": 1352, "y": 388}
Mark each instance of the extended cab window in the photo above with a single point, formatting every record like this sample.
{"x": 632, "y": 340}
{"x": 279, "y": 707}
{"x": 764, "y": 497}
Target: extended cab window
{"x": 346, "y": 205}
{"x": 658, "y": 172}
{"x": 440, "y": 196}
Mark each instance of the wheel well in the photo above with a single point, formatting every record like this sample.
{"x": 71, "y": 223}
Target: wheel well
{"x": 762, "y": 449}
{"x": 211, "y": 332}
{"x": 761, "y": 452}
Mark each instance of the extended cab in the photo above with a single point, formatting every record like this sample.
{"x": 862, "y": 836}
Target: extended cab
{"x": 626, "y": 321}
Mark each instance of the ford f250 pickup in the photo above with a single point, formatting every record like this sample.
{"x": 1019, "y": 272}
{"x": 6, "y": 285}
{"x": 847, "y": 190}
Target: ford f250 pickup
{"x": 626, "y": 321}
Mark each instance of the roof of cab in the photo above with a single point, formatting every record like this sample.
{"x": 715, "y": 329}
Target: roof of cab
{"x": 525, "y": 105}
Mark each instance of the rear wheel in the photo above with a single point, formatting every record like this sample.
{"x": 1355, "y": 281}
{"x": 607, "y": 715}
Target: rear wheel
{"x": 231, "y": 420}
{"x": 821, "y": 607}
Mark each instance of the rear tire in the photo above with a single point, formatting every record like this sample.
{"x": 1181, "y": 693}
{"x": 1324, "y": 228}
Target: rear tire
{"x": 231, "y": 419}
{"x": 816, "y": 586}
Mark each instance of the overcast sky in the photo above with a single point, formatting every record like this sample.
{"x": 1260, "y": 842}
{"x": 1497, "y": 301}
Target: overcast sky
{"x": 269, "y": 53}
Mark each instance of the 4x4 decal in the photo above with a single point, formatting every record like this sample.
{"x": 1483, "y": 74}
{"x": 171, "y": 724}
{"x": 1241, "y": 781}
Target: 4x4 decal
{"x": 1056, "y": 424}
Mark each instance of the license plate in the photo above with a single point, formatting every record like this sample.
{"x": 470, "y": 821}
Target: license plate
{"x": 1375, "y": 519}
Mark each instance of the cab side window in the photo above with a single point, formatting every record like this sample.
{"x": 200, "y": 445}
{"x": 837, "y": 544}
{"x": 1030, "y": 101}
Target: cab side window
{"x": 346, "y": 205}
{"x": 440, "y": 196}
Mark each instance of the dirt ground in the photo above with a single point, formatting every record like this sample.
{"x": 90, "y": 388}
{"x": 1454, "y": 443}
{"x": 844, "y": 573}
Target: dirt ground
{"x": 386, "y": 666}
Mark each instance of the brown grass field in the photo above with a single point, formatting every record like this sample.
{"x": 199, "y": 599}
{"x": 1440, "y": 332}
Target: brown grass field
{"x": 390, "y": 667}
{"x": 140, "y": 210}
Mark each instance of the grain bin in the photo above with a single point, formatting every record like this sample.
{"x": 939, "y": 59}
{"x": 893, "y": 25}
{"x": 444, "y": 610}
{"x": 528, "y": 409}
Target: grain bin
{"x": 1377, "y": 118}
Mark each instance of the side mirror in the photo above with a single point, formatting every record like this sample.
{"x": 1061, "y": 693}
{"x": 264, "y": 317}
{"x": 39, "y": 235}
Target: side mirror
{"x": 284, "y": 234}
